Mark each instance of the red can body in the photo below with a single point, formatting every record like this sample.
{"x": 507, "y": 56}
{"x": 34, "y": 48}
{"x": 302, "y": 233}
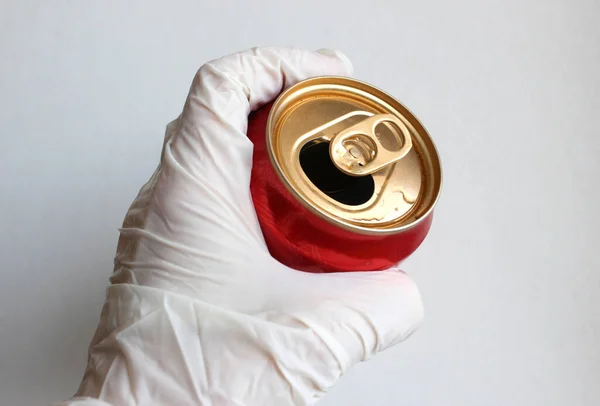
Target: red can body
{"x": 304, "y": 241}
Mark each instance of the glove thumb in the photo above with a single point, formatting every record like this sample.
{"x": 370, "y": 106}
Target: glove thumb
{"x": 356, "y": 314}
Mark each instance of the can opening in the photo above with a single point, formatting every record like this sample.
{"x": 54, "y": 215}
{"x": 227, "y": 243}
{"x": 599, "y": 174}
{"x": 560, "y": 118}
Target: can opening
{"x": 322, "y": 172}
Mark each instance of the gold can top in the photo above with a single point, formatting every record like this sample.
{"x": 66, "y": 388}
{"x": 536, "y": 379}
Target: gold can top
{"x": 354, "y": 155}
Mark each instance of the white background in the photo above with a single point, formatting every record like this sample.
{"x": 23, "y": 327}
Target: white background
{"x": 510, "y": 91}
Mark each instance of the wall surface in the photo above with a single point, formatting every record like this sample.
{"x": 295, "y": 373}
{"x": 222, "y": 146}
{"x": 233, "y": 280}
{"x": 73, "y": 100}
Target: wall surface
{"x": 510, "y": 90}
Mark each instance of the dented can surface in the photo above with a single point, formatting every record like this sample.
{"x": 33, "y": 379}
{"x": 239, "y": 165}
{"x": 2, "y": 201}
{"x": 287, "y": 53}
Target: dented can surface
{"x": 344, "y": 177}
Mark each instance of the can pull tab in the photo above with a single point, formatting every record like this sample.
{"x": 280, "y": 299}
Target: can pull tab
{"x": 357, "y": 150}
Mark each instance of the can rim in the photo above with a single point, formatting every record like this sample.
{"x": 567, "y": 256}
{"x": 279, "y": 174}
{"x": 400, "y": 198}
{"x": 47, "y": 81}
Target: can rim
{"x": 357, "y": 229}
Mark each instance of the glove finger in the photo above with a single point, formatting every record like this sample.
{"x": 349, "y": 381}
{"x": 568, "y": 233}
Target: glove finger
{"x": 195, "y": 216}
{"x": 210, "y": 143}
{"x": 207, "y": 161}
{"x": 212, "y": 135}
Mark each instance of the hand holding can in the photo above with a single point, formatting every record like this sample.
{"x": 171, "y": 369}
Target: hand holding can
{"x": 198, "y": 311}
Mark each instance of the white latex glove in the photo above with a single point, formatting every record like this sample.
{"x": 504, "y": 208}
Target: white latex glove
{"x": 198, "y": 313}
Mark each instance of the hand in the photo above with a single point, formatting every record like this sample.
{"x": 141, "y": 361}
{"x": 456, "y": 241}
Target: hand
{"x": 198, "y": 313}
